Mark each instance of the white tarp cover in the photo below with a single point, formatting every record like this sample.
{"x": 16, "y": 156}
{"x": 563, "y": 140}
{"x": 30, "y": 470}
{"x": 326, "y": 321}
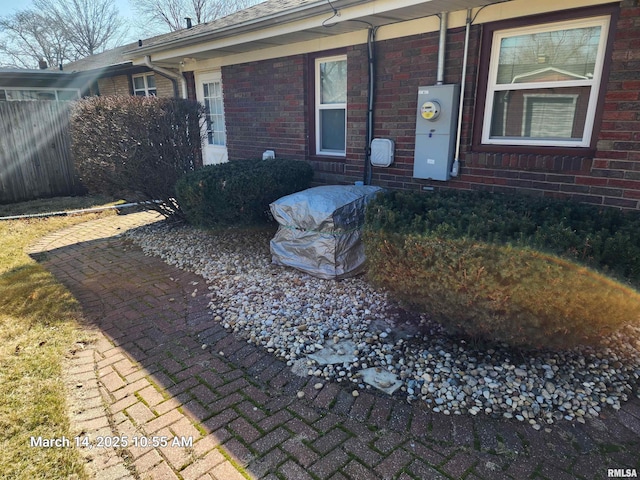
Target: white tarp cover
{"x": 320, "y": 230}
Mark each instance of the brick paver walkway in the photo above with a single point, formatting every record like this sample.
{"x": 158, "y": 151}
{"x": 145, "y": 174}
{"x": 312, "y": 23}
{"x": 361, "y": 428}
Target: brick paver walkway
{"x": 160, "y": 370}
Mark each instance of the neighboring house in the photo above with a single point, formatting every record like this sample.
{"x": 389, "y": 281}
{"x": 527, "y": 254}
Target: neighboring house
{"x": 115, "y": 75}
{"x": 551, "y": 91}
{"x": 20, "y": 84}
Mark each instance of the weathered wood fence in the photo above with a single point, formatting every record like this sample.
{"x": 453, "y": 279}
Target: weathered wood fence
{"x": 35, "y": 153}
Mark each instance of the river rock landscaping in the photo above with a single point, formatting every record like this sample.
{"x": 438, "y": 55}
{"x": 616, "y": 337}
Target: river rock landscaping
{"x": 298, "y": 317}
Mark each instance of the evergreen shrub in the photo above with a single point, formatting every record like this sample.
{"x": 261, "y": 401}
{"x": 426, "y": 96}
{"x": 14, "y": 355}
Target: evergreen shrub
{"x": 530, "y": 272}
{"x": 239, "y": 192}
{"x": 136, "y": 147}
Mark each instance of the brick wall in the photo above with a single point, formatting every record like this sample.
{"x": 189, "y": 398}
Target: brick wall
{"x": 164, "y": 87}
{"x": 402, "y": 66}
{"x": 616, "y": 166}
{"x": 265, "y": 108}
{"x": 191, "y": 85}
{"x": 610, "y": 177}
{"x": 119, "y": 85}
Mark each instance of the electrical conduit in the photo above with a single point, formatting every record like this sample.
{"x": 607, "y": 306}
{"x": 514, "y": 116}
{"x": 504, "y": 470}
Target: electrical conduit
{"x": 456, "y": 159}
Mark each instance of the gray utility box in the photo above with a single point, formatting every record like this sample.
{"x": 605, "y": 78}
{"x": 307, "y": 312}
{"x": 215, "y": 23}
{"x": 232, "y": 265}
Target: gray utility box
{"x": 436, "y": 121}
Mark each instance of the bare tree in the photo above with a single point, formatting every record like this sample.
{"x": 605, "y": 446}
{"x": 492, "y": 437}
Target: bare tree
{"x": 28, "y": 37}
{"x": 169, "y": 15}
{"x": 90, "y": 26}
{"x": 59, "y": 31}
{"x": 574, "y": 49}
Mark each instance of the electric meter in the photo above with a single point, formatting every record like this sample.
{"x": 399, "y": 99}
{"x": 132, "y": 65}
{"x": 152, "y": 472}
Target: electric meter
{"x": 430, "y": 110}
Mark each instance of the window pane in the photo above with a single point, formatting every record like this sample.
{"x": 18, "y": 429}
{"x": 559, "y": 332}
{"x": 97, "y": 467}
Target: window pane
{"x": 138, "y": 83}
{"x": 332, "y": 130}
{"x": 67, "y": 94}
{"x": 559, "y": 55}
{"x": 151, "y": 81}
{"x": 545, "y": 113}
{"x": 333, "y": 82}
{"x": 22, "y": 95}
{"x": 214, "y": 110}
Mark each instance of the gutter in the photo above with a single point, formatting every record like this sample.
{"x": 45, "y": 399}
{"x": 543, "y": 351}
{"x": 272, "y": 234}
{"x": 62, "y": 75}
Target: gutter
{"x": 173, "y": 76}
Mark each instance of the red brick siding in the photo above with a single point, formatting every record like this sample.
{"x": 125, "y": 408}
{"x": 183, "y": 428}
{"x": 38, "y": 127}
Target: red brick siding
{"x": 617, "y": 161}
{"x": 403, "y": 65}
{"x": 191, "y": 85}
{"x": 265, "y": 108}
{"x": 612, "y": 177}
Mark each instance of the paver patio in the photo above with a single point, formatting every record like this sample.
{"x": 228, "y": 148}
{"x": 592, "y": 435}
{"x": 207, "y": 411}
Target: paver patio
{"x": 159, "y": 368}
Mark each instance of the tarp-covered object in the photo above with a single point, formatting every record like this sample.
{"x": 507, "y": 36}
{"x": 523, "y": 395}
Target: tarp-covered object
{"x": 320, "y": 230}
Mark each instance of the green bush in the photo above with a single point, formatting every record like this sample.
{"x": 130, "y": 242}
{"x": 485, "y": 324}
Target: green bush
{"x": 239, "y": 192}
{"x": 136, "y": 147}
{"x": 524, "y": 271}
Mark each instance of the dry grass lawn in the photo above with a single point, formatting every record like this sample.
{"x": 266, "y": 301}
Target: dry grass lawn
{"x": 38, "y": 325}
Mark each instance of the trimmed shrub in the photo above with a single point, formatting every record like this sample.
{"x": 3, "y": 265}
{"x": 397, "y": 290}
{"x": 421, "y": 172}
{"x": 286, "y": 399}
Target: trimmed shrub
{"x": 136, "y": 147}
{"x": 239, "y": 192}
{"x": 527, "y": 272}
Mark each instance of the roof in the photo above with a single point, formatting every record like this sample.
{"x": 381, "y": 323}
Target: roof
{"x": 271, "y": 23}
{"x": 101, "y": 60}
{"x": 34, "y": 78}
{"x": 8, "y": 71}
{"x": 260, "y": 12}
{"x": 119, "y": 55}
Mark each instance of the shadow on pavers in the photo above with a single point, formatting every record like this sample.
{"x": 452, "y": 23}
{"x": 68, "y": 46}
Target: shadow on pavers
{"x": 193, "y": 398}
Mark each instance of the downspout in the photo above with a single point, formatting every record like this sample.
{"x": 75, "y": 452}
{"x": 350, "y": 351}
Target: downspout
{"x": 173, "y": 76}
{"x": 456, "y": 160}
{"x": 371, "y": 58}
{"x": 444, "y": 16}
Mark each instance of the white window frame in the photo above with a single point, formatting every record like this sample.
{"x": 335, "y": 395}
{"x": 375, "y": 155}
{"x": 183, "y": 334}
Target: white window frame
{"x": 329, "y": 106}
{"x": 146, "y": 88}
{"x": 593, "y": 83}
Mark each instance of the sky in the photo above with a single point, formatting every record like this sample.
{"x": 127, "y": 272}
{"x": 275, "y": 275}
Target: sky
{"x": 8, "y": 7}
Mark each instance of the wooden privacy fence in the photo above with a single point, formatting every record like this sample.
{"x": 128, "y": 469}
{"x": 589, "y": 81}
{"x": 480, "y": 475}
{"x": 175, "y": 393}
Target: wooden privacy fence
{"x": 35, "y": 151}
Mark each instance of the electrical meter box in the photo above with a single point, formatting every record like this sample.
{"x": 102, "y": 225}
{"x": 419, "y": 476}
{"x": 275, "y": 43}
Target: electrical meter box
{"x": 436, "y": 121}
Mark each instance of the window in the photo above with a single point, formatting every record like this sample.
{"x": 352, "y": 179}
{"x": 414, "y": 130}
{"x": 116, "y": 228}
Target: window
{"x": 331, "y": 105}
{"x": 214, "y": 113}
{"x": 544, "y": 82}
{"x": 22, "y": 94}
{"x": 144, "y": 85}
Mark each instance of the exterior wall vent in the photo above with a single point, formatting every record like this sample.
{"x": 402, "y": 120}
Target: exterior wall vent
{"x": 382, "y": 152}
{"x": 268, "y": 154}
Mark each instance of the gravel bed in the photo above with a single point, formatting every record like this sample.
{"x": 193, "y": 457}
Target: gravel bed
{"x": 292, "y": 314}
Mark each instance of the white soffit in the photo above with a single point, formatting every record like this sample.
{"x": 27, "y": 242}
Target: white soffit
{"x": 289, "y": 28}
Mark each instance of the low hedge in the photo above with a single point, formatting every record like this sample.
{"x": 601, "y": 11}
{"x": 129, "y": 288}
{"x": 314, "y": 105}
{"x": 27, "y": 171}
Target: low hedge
{"x": 239, "y": 192}
{"x": 529, "y": 272}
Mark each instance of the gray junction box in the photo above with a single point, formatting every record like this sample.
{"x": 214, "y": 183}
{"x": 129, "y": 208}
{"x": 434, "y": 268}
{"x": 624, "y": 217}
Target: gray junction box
{"x": 436, "y": 121}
